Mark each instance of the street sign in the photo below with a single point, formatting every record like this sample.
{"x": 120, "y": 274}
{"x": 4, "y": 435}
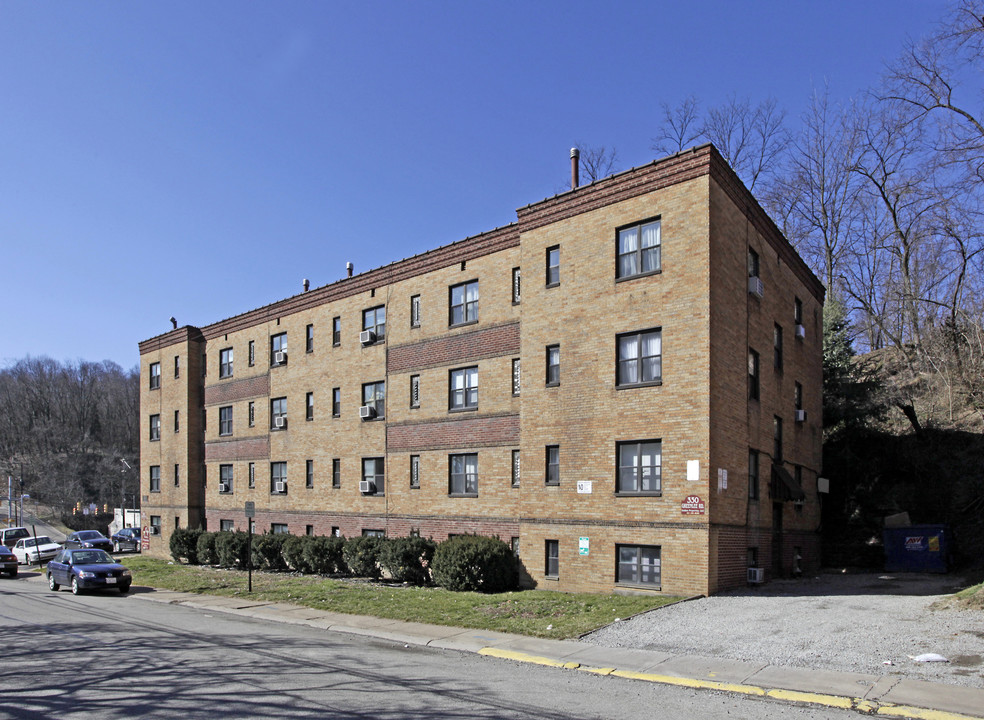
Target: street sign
{"x": 250, "y": 509}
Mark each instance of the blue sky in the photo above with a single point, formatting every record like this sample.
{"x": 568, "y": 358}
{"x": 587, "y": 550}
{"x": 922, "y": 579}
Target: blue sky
{"x": 199, "y": 159}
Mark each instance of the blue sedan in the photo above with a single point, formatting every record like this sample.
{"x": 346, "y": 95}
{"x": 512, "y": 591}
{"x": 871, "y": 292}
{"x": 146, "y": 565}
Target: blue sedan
{"x": 86, "y": 569}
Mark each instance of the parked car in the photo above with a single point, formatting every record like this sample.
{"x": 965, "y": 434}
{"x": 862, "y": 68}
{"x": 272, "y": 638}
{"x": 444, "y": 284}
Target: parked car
{"x": 88, "y": 539}
{"x": 127, "y": 538}
{"x": 87, "y": 569}
{"x": 10, "y": 536}
{"x": 8, "y": 561}
{"x": 31, "y": 551}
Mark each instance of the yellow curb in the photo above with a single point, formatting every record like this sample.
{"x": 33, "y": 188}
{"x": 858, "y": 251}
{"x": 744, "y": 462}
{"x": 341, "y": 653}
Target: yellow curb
{"x": 921, "y": 713}
{"x": 836, "y": 701}
{"x": 866, "y": 706}
{"x": 523, "y": 657}
{"x": 598, "y": 671}
{"x": 691, "y": 683}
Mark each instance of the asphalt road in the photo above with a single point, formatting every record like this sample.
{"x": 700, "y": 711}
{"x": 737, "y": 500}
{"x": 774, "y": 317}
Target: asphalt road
{"x": 114, "y": 656}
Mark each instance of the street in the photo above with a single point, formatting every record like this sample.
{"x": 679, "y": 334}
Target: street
{"x": 111, "y": 656}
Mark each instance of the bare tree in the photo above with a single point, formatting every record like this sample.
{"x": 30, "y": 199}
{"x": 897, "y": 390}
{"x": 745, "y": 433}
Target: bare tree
{"x": 681, "y": 128}
{"x": 597, "y": 162}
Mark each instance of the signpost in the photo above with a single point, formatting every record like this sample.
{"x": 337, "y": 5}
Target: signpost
{"x": 250, "y": 514}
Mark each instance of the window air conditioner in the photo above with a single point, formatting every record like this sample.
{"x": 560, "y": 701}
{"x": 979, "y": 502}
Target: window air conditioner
{"x": 155, "y": 529}
{"x": 367, "y": 411}
{"x": 367, "y": 336}
{"x": 223, "y": 488}
{"x": 367, "y": 486}
{"x": 801, "y": 416}
{"x": 280, "y": 357}
{"x": 280, "y": 487}
{"x": 755, "y": 286}
{"x": 801, "y": 332}
{"x": 756, "y": 575}
{"x": 280, "y": 421}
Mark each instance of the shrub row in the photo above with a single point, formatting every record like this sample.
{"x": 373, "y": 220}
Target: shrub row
{"x": 463, "y": 562}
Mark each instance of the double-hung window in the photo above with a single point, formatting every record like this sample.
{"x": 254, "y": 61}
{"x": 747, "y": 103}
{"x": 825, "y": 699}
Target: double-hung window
{"x": 639, "y": 249}
{"x": 225, "y": 478}
{"x": 463, "y": 308}
{"x": 464, "y": 389}
{"x": 551, "y": 565}
{"x": 278, "y": 478}
{"x": 336, "y": 331}
{"x": 753, "y": 375}
{"x": 278, "y": 349}
{"x": 374, "y": 471}
{"x": 309, "y": 338}
{"x": 155, "y": 427}
{"x": 309, "y": 474}
{"x": 374, "y": 397}
{"x": 309, "y": 406}
{"x": 155, "y": 375}
{"x": 552, "y": 465}
{"x": 640, "y": 358}
{"x": 639, "y": 467}
{"x": 336, "y": 402}
{"x": 155, "y": 478}
{"x": 278, "y": 413}
{"x": 225, "y": 420}
{"x": 336, "y": 473}
{"x": 553, "y": 266}
{"x": 225, "y": 363}
{"x": 463, "y": 472}
{"x": 553, "y": 364}
{"x": 374, "y": 322}
{"x": 638, "y": 565}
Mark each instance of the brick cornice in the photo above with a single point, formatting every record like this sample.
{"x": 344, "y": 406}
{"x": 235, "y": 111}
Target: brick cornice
{"x": 184, "y": 334}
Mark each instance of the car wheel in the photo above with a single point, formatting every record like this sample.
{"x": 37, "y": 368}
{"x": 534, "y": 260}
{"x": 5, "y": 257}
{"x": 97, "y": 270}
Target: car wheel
{"x": 75, "y": 586}
{"x": 52, "y": 585}
{"x": 12, "y": 573}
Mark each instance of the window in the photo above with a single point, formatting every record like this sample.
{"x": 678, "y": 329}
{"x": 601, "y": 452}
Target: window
{"x": 753, "y": 263}
{"x": 464, "y": 303}
{"x": 415, "y": 391}
{"x": 777, "y": 347}
{"x": 225, "y": 420}
{"x": 516, "y": 286}
{"x": 155, "y": 478}
{"x": 177, "y": 366}
{"x": 278, "y": 528}
{"x": 177, "y": 421}
{"x": 463, "y": 471}
{"x": 373, "y": 471}
{"x": 336, "y": 331}
{"x": 753, "y": 375}
{"x": 753, "y": 557}
{"x": 177, "y": 475}
{"x": 797, "y": 396}
{"x": 464, "y": 389}
{"x": 553, "y": 364}
{"x": 225, "y": 478}
{"x": 309, "y": 406}
{"x": 415, "y": 311}
{"x": 225, "y": 363}
{"x": 278, "y": 349}
{"x": 374, "y": 319}
{"x": 553, "y": 465}
{"x": 252, "y": 475}
{"x": 336, "y": 531}
{"x": 278, "y": 413}
{"x": 252, "y": 413}
{"x": 155, "y": 375}
{"x": 374, "y": 533}
{"x": 776, "y": 439}
{"x": 251, "y": 354}
{"x": 640, "y": 467}
{"x": 551, "y": 565}
{"x": 753, "y": 475}
{"x": 278, "y": 478}
{"x": 639, "y": 249}
{"x": 309, "y": 338}
{"x": 155, "y": 524}
{"x": 638, "y": 565}
{"x": 336, "y": 473}
{"x": 336, "y": 402}
{"x": 797, "y": 311}
{"x": 155, "y": 427}
{"x": 514, "y": 544}
{"x": 640, "y": 358}
{"x": 515, "y": 468}
{"x": 415, "y": 472}
{"x": 553, "y": 266}
{"x": 374, "y": 396}
{"x": 309, "y": 474}
{"x": 516, "y": 386}
{"x": 227, "y": 525}
{"x": 309, "y": 530}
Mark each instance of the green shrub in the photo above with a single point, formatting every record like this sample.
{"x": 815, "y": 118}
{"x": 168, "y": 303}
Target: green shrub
{"x": 324, "y": 555}
{"x": 293, "y": 551}
{"x": 408, "y": 559}
{"x": 184, "y": 544}
{"x": 361, "y": 554}
{"x": 232, "y": 549}
{"x": 205, "y": 547}
{"x": 475, "y": 562}
{"x": 268, "y": 552}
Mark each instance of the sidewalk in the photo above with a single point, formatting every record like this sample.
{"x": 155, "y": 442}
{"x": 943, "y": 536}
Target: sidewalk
{"x": 889, "y": 696}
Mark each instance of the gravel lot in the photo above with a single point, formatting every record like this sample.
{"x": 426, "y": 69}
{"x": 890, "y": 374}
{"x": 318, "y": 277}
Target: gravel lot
{"x": 845, "y": 622}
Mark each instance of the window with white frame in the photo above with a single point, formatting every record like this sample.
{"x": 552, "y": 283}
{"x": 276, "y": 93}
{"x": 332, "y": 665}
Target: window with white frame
{"x": 639, "y": 249}
{"x": 640, "y": 358}
{"x": 278, "y": 478}
{"x": 517, "y": 278}
{"x": 374, "y": 472}
{"x": 463, "y": 474}
{"x": 464, "y": 389}
{"x": 553, "y": 266}
{"x": 374, "y": 320}
{"x": 225, "y": 420}
{"x": 227, "y": 525}
{"x": 225, "y": 363}
{"x": 639, "y": 468}
{"x": 278, "y": 349}
{"x": 278, "y": 413}
{"x": 516, "y": 376}
{"x": 463, "y": 303}
{"x": 638, "y": 565}
{"x": 374, "y": 396}
{"x": 225, "y": 479}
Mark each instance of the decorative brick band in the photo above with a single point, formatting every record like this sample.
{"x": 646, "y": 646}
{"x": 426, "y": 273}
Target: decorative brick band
{"x": 488, "y": 431}
{"x": 455, "y": 349}
{"x": 233, "y": 390}
{"x": 257, "y": 448}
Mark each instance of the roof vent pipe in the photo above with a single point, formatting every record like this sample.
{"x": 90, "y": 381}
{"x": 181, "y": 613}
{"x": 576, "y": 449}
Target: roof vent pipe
{"x": 575, "y": 175}
{"x": 350, "y": 267}
{"x": 174, "y": 323}
{"x": 306, "y": 284}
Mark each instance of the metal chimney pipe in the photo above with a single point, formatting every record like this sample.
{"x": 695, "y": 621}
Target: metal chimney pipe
{"x": 575, "y": 174}
{"x": 306, "y": 284}
{"x": 350, "y": 267}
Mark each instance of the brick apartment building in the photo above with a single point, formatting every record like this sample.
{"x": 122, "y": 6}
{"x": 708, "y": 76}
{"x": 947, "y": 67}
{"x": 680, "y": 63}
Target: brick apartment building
{"x": 625, "y": 384}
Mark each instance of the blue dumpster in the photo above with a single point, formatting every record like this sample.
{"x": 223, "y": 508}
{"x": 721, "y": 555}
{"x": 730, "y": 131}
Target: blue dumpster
{"x": 916, "y": 548}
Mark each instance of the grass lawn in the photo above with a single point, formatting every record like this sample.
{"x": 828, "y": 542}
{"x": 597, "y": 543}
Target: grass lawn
{"x": 539, "y": 613}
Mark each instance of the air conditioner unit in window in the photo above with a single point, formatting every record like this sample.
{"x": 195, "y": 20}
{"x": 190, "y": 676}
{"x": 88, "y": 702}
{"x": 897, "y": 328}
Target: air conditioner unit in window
{"x": 223, "y": 488}
{"x": 280, "y": 421}
{"x": 756, "y": 575}
{"x": 801, "y": 332}
{"x": 755, "y": 286}
{"x": 367, "y": 486}
{"x": 367, "y": 411}
{"x": 367, "y": 337}
{"x": 280, "y": 487}
{"x": 280, "y": 357}
{"x": 155, "y": 529}
{"x": 801, "y": 416}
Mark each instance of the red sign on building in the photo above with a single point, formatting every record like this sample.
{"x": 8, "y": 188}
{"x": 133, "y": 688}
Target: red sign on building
{"x": 692, "y": 505}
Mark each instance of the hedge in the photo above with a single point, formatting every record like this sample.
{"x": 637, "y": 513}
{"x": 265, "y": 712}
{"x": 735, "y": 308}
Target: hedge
{"x": 475, "y": 562}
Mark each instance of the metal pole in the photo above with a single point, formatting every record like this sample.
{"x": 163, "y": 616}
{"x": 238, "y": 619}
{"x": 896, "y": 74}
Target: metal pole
{"x": 249, "y": 553}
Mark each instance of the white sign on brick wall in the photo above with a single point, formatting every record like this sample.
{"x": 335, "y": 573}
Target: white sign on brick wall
{"x": 584, "y": 487}
{"x": 693, "y": 470}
